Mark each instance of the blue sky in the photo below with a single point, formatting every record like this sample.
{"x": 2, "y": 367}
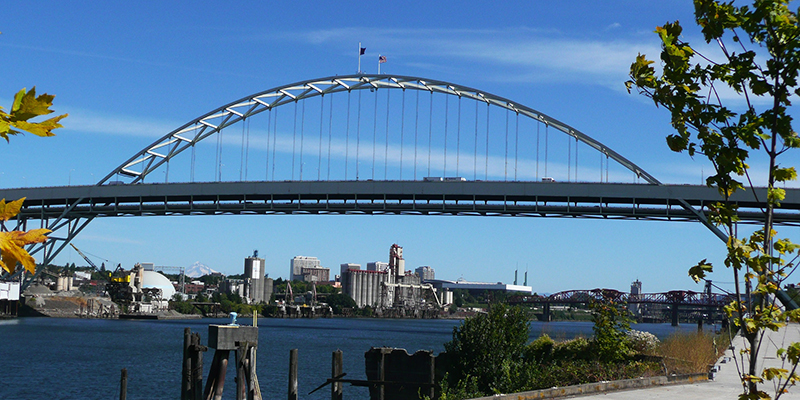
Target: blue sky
{"x": 128, "y": 73}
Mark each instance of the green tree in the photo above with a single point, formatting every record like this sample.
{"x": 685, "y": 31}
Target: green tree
{"x": 611, "y": 324}
{"x": 759, "y": 62}
{"x": 484, "y": 347}
{"x": 340, "y": 301}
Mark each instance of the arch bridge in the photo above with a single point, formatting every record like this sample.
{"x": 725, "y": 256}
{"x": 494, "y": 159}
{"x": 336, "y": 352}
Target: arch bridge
{"x": 374, "y": 144}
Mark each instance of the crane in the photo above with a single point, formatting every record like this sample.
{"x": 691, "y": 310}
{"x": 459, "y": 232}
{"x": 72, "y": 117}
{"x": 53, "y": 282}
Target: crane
{"x": 85, "y": 258}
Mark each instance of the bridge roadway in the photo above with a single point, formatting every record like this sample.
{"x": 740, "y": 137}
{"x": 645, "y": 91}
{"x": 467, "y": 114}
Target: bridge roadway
{"x": 548, "y": 199}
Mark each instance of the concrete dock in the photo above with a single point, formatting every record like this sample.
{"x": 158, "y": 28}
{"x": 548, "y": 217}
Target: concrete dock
{"x": 726, "y": 383}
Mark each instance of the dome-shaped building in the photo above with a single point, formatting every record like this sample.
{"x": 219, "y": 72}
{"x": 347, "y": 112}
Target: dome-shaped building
{"x": 154, "y": 280}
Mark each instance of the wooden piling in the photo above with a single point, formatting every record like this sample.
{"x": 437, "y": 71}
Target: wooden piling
{"x": 196, "y": 351}
{"x": 336, "y": 371}
{"x": 186, "y": 380}
{"x": 241, "y": 365}
{"x": 123, "y": 384}
{"x": 216, "y": 376}
{"x": 293, "y": 374}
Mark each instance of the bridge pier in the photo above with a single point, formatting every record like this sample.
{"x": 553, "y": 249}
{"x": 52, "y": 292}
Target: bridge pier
{"x": 546, "y": 317}
{"x": 674, "y": 315}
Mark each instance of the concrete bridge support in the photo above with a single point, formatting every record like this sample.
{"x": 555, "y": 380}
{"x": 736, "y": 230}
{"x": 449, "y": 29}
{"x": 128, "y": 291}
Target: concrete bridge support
{"x": 674, "y": 313}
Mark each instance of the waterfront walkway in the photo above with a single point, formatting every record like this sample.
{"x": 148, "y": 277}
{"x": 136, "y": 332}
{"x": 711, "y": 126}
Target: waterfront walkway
{"x": 726, "y": 384}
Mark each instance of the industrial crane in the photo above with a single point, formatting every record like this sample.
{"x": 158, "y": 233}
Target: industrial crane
{"x": 85, "y": 258}
{"x": 109, "y": 273}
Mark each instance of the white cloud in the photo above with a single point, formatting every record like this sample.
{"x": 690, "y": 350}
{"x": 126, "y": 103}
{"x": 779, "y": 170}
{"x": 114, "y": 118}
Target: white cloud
{"x": 533, "y": 55}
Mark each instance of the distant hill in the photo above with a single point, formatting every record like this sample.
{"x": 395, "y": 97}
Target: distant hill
{"x": 198, "y": 269}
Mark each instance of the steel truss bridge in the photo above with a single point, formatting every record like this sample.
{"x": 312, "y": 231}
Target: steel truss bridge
{"x": 675, "y": 299}
{"x": 435, "y": 148}
{"x": 679, "y": 297}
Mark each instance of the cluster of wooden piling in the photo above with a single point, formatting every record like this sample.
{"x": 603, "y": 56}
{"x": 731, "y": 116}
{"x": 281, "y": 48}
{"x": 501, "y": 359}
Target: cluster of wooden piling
{"x": 223, "y": 339}
{"x": 392, "y": 374}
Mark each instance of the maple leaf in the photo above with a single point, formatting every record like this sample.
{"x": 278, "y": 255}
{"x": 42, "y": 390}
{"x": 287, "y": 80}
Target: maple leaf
{"x": 11, "y": 247}
{"x": 11, "y": 209}
{"x": 27, "y": 106}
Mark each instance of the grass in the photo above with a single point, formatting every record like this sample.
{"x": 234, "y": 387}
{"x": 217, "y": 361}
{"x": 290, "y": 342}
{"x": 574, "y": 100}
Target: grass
{"x": 691, "y": 352}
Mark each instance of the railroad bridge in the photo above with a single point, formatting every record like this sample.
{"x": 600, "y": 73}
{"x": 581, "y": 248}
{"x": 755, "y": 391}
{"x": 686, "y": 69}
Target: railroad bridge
{"x": 677, "y": 300}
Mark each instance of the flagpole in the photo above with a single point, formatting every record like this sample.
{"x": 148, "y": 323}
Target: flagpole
{"x": 379, "y": 64}
{"x": 359, "y": 57}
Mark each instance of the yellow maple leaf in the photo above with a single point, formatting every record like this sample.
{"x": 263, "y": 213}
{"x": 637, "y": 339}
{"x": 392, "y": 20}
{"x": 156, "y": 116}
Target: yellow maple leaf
{"x": 11, "y": 247}
{"x": 11, "y": 209}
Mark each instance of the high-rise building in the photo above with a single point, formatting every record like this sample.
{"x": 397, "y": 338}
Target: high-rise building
{"x": 314, "y": 275}
{"x": 425, "y": 273}
{"x": 636, "y": 294}
{"x": 377, "y": 266}
{"x": 298, "y": 263}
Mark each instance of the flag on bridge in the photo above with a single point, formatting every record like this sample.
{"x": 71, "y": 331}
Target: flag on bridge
{"x": 381, "y": 59}
{"x": 363, "y": 50}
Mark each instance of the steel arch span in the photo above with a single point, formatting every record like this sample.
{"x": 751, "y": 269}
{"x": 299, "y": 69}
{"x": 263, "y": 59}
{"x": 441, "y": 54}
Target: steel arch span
{"x": 186, "y": 136}
{"x": 157, "y": 155}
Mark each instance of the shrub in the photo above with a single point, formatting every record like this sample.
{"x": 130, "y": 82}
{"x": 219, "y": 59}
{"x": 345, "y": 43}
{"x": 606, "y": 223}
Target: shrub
{"x": 484, "y": 345}
{"x": 539, "y": 350}
{"x": 642, "y": 342}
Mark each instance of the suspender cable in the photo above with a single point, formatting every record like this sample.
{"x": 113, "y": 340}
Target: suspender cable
{"x": 219, "y": 155}
{"x": 191, "y": 171}
{"x": 546, "y": 140}
{"x": 475, "y": 149}
{"x": 416, "y": 131}
{"x": 321, "y": 115}
{"x": 402, "y": 130}
{"x": 537, "y": 149}
{"x": 302, "y": 136}
{"x": 294, "y": 138}
{"x": 374, "y": 133}
{"x": 458, "y": 137}
{"x": 569, "y": 160}
{"x": 446, "y": 117}
{"x": 486, "y": 167}
{"x": 274, "y": 142}
{"x": 269, "y": 126}
{"x": 430, "y": 133}
{"x": 241, "y": 156}
{"x": 576, "y": 158}
{"x": 516, "y": 148}
{"x": 330, "y": 134}
{"x": 347, "y": 138}
{"x": 505, "y": 177}
{"x": 606, "y": 168}
{"x": 247, "y": 150}
{"x": 386, "y": 145}
{"x": 358, "y": 133}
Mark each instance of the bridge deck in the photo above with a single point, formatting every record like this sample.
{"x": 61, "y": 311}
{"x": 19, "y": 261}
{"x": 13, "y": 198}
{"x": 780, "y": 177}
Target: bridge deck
{"x": 603, "y": 200}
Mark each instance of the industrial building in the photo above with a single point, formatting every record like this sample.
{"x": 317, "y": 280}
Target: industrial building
{"x": 307, "y": 269}
{"x": 257, "y": 287}
{"x": 477, "y": 288}
{"x": 387, "y": 285}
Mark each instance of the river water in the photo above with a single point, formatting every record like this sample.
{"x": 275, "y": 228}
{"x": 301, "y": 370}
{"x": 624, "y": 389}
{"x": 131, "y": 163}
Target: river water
{"x": 49, "y": 358}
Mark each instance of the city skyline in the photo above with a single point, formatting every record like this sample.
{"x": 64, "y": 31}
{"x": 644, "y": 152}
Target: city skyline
{"x": 129, "y": 73}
